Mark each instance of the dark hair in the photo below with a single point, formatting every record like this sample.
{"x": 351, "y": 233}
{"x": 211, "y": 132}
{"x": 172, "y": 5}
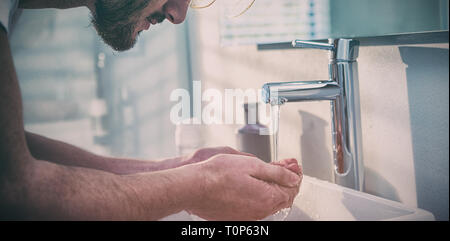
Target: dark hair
{"x": 115, "y": 21}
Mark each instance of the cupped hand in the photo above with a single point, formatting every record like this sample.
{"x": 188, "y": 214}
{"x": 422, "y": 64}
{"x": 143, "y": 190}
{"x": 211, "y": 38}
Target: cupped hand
{"x": 242, "y": 187}
{"x": 292, "y": 165}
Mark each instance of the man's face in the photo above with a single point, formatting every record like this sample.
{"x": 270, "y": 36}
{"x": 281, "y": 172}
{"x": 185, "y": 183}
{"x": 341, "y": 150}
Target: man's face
{"x": 119, "y": 22}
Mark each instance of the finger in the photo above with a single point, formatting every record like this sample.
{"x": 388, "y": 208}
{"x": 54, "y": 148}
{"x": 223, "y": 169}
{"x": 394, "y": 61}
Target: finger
{"x": 292, "y": 194}
{"x": 285, "y": 162}
{"x": 279, "y": 197}
{"x": 283, "y": 197}
{"x": 276, "y": 174}
{"x": 289, "y": 161}
{"x": 294, "y": 167}
{"x": 291, "y": 164}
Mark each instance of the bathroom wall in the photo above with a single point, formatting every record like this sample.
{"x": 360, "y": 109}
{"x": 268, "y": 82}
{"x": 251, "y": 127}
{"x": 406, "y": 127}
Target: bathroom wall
{"x": 77, "y": 90}
{"x": 404, "y": 105}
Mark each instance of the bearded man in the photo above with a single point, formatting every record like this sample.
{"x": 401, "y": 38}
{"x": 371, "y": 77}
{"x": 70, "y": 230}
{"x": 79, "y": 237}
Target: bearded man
{"x": 44, "y": 179}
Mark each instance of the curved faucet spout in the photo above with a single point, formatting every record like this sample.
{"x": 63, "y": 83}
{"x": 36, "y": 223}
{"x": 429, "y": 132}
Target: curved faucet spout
{"x": 279, "y": 93}
{"x": 342, "y": 91}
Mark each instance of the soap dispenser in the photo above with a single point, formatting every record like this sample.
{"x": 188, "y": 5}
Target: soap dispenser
{"x": 249, "y": 137}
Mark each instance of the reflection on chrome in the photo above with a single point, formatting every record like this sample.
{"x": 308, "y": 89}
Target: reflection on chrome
{"x": 343, "y": 92}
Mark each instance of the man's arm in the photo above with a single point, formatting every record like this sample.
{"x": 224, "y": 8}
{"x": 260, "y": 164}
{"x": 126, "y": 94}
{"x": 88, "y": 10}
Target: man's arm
{"x": 47, "y": 191}
{"x": 43, "y": 148}
{"x": 34, "y": 189}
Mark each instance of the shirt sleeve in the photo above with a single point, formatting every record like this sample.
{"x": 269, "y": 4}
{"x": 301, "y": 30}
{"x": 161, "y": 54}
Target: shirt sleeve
{"x": 6, "y": 7}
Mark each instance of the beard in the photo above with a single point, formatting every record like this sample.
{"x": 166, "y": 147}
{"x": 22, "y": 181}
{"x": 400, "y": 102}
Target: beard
{"x": 116, "y": 20}
{"x": 120, "y": 38}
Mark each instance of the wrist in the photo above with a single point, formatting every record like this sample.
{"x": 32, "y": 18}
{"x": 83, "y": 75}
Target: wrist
{"x": 162, "y": 193}
{"x": 190, "y": 188}
{"x": 195, "y": 185}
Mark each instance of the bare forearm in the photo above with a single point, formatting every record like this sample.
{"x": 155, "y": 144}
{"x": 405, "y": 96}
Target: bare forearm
{"x": 47, "y": 191}
{"x": 43, "y": 148}
{"x": 32, "y": 189}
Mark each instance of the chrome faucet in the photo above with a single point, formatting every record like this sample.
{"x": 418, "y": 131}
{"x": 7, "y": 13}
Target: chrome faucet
{"x": 342, "y": 90}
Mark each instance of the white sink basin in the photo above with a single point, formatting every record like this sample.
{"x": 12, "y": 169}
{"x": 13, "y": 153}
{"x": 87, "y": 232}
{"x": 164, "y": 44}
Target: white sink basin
{"x": 320, "y": 200}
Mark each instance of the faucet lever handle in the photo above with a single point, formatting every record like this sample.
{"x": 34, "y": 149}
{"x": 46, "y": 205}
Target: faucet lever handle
{"x": 312, "y": 45}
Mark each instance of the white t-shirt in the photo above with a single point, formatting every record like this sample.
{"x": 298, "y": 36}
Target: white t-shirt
{"x": 8, "y": 9}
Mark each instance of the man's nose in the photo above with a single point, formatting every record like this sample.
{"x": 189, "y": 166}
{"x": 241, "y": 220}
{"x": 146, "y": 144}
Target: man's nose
{"x": 175, "y": 10}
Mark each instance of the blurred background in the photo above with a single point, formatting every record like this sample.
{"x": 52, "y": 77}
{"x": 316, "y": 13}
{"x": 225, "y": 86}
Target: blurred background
{"x": 76, "y": 89}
